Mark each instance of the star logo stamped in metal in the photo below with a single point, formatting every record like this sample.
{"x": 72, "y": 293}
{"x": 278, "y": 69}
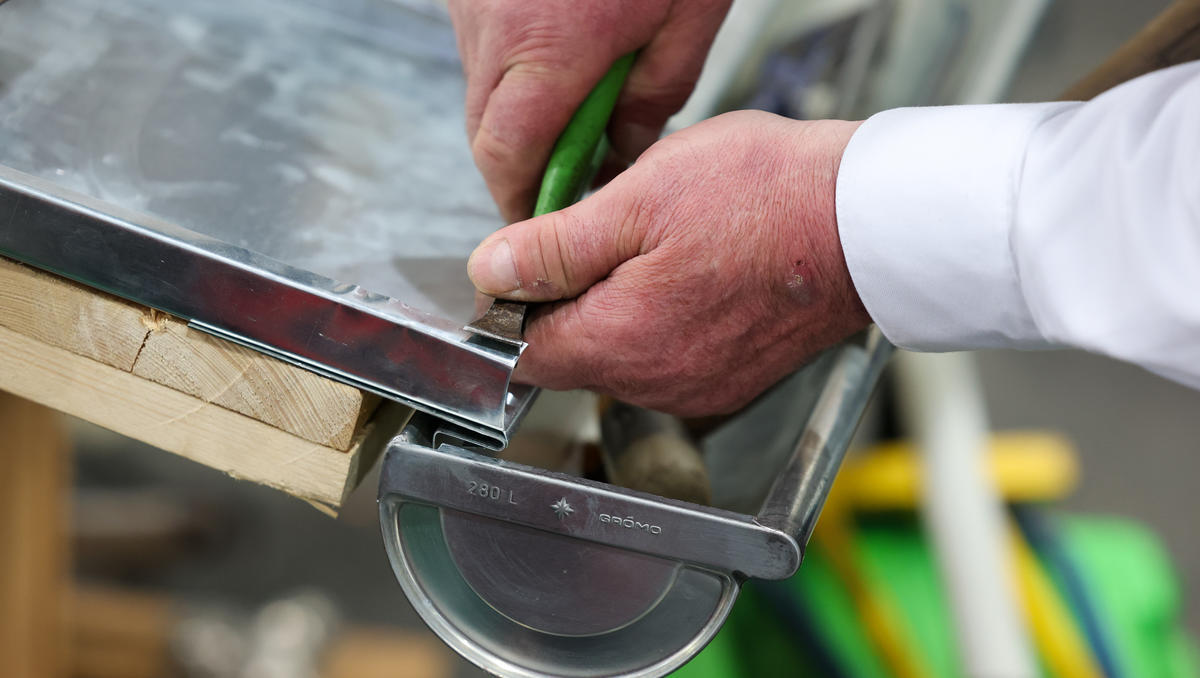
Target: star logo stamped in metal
{"x": 561, "y": 508}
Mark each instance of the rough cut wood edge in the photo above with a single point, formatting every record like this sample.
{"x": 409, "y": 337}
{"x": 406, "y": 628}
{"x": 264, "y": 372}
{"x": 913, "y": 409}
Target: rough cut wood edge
{"x": 174, "y": 421}
{"x": 48, "y": 309}
{"x": 162, "y": 349}
{"x": 246, "y": 381}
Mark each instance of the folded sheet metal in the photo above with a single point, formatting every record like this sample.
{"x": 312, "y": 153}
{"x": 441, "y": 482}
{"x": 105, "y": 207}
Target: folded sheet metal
{"x": 227, "y": 161}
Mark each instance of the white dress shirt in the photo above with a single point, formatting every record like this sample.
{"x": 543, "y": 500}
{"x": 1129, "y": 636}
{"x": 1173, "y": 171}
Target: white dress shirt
{"x": 1034, "y": 225}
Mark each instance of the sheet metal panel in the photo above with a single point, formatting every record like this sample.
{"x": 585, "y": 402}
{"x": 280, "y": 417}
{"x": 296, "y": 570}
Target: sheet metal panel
{"x": 320, "y": 138}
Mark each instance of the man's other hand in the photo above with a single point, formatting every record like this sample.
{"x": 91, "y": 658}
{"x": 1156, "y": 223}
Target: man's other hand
{"x": 697, "y": 278}
{"x": 529, "y": 65}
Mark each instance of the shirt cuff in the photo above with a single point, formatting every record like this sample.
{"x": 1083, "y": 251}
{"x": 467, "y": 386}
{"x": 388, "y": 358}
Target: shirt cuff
{"x": 925, "y": 207}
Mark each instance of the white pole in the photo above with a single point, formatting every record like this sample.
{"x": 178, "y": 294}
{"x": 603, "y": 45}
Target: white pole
{"x": 942, "y": 405}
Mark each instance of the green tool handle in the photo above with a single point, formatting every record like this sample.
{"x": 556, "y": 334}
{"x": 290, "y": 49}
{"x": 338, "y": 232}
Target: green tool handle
{"x": 581, "y": 147}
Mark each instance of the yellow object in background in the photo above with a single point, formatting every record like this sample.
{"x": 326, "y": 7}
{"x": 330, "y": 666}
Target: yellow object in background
{"x": 1055, "y": 633}
{"x": 1025, "y": 467}
{"x": 876, "y": 612}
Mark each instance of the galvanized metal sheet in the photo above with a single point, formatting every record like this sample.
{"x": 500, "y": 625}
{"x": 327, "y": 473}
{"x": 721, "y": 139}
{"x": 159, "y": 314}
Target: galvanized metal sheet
{"x": 228, "y": 161}
{"x": 327, "y": 135}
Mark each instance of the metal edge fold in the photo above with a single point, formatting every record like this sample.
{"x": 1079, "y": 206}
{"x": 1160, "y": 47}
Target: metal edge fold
{"x": 341, "y": 331}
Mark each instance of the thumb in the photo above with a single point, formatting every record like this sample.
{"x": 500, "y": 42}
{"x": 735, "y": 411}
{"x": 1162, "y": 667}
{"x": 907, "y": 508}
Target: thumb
{"x": 557, "y": 255}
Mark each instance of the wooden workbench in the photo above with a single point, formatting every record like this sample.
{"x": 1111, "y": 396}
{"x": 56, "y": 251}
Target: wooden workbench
{"x": 148, "y": 376}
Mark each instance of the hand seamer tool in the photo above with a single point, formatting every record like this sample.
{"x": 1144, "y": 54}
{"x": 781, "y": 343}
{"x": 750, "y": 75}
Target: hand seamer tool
{"x": 530, "y": 573}
{"x": 576, "y": 156}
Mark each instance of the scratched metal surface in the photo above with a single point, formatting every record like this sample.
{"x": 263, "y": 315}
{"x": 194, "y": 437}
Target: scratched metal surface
{"x": 325, "y": 134}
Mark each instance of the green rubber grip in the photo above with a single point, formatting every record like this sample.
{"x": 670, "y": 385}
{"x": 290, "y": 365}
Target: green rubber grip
{"x": 581, "y": 147}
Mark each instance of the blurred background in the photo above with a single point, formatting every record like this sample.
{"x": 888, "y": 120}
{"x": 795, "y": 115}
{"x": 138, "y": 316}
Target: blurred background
{"x": 185, "y": 571}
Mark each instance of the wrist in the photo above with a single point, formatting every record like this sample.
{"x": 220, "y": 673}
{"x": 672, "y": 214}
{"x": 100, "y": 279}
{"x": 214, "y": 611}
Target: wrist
{"x": 848, "y": 298}
{"x": 819, "y": 146}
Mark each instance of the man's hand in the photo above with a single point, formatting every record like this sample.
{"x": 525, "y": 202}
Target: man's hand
{"x": 530, "y": 64}
{"x": 695, "y": 279}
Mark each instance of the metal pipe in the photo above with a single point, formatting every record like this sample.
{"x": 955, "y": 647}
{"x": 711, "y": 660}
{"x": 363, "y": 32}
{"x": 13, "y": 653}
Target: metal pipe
{"x": 795, "y": 499}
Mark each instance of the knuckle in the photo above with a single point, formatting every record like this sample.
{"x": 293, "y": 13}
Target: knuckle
{"x": 493, "y": 152}
{"x": 656, "y": 100}
{"x": 549, "y": 267}
{"x": 634, "y": 223}
{"x": 538, "y": 50}
{"x": 566, "y": 227}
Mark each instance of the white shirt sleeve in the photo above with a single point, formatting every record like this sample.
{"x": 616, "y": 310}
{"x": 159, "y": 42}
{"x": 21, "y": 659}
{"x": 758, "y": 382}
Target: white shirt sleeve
{"x": 1034, "y": 225}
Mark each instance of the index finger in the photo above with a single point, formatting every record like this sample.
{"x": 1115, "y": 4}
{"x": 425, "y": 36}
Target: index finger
{"x": 521, "y": 119}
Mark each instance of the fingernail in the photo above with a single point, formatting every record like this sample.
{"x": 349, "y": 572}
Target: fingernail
{"x": 492, "y": 268}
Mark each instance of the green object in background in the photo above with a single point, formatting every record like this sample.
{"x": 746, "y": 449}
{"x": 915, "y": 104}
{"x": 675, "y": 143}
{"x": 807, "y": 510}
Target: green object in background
{"x": 581, "y": 147}
{"x": 1132, "y": 583}
{"x": 1127, "y": 573}
{"x": 896, "y": 557}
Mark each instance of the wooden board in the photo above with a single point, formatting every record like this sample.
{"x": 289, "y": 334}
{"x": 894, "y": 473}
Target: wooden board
{"x": 120, "y": 634}
{"x": 162, "y": 349}
{"x": 34, "y": 549}
{"x": 232, "y": 442}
